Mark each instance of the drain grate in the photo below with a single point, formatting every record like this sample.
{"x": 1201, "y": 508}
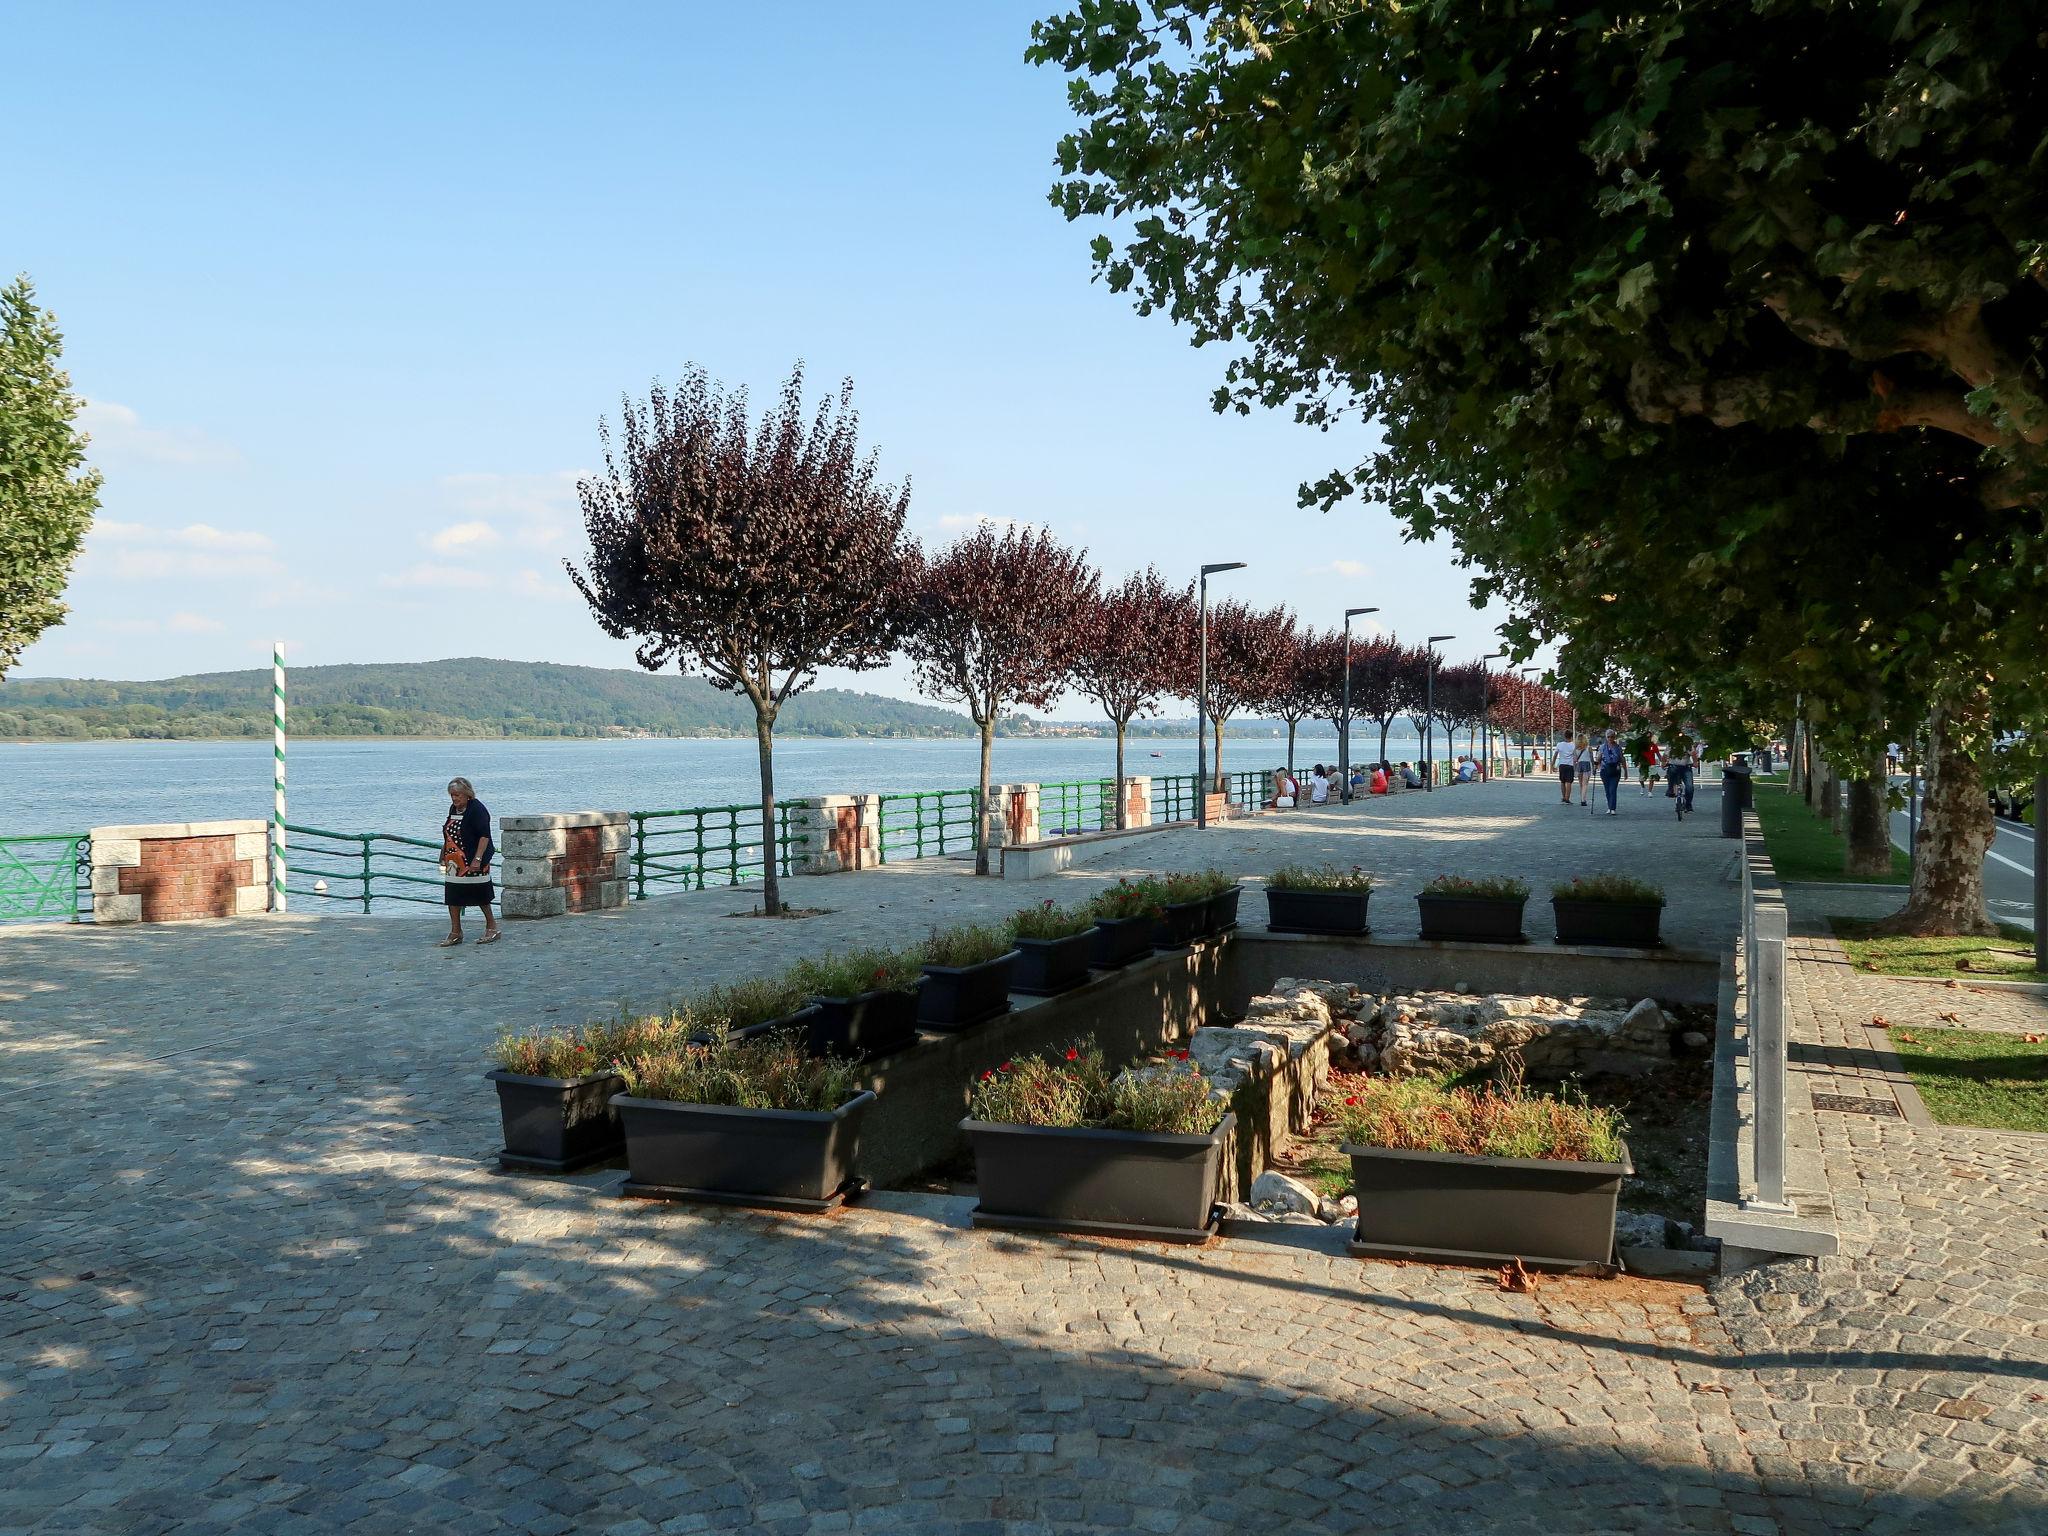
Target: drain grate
{"x": 1849, "y": 1106}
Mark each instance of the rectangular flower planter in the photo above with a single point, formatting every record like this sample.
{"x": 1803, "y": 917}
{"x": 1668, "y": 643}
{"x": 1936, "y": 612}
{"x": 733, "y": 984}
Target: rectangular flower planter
{"x": 785, "y": 1159}
{"x": 1223, "y": 910}
{"x": 1619, "y": 924}
{"x": 558, "y": 1124}
{"x": 1120, "y": 940}
{"x": 798, "y": 1022}
{"x": 1316, "y": 911}
{"x": 1048, "y": 967}
{"x": 1180, "y": 924}
{"x": 956, "y": 996}
{"x": 1138, "y": 1184}
{"x": 1483, "y": 919}
{"x": 1447, "y": 1206}
{"x": 869, "y": 1024}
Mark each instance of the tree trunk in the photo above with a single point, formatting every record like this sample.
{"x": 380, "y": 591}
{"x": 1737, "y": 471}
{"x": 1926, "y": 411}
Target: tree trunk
{"x": 1795, "y": 774}
{"x": 1830, "y": 792}
{"x": 1870, "y": 833}
{"x": 1384, "y": 725}
{"x": 1122, "y": 810}
{"x": 1955, "y": 828}
{"x": 1290, "y": 746}
{"x": 764, "y": 740}
{"x": 988, "y": 747}
{"x": 1216, "y": 762}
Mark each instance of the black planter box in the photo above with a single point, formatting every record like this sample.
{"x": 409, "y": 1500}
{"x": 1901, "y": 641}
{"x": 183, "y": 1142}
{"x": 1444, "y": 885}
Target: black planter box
{"x": 1223, "y": 910}
{"x": 786, "y": 1159}
{"x": 1620, "y": 924}
{"x": 1139, "y": 1184}
{"x": 1180, "y": 924}
{"x": 1484, "y": 919}
{"x": 558, "y": 1124}
{"x": 1446, "y": 1206}
{"x": 1120, "y": 940}
{"x": 1316, "y": 911}
{"x": 956, "y": 996}
{"x": 869, "y": 1024}
{"x": 1048, "y": 967}
{"x": 798, "y": 1022}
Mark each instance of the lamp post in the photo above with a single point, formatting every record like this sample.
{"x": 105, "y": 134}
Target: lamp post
{"x": 1202, "y": 700}
{"x": 1429, "y": 716}
{"x": 1486, "y": 719}
{"x": 1344, "y": 730}
{"x": 1527, "y": 673}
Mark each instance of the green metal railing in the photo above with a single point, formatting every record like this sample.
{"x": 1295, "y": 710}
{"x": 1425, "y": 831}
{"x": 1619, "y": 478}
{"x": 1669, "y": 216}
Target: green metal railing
{"x": 1070, "y": 806}
{"x": 1173, "y": 797}
{"x": 362, "y": 867}
{"x": 924, "y": 823}
{"x": 705, "y": 845}
{"x": 1249, "y": 791}
{"x": 45, "y": 877}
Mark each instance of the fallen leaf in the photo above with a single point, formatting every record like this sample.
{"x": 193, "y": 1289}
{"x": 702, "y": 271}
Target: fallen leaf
{"x": 1879, "y": 1021}
{"x": 2032, "y": 1039}
{"x": 1953, "y": 1018}
{"x": 1513, "y": 1277}
{"x": 1909, "y": 1039}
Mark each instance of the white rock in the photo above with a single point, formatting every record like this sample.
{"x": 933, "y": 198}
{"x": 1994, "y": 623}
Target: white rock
{"x": 1341, "y": 1209}
{"x": 1273, "y": 1190}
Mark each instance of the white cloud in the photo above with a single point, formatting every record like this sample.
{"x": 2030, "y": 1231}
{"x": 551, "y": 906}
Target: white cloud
{"x": 542, "y": 509}
{"x": 1354, "y": 569}
{"x": 138, "y": 552}
{"x": 118, "y": 432}
{"x": 553, "y": 585}
{"x": 427, "y": 574}
{"x": 471, "y": 535}
{"x": 193, "y": 624}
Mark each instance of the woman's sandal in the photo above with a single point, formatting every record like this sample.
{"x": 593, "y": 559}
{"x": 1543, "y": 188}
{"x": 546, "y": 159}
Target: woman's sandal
{"x": 447, "y": 943}
{"x": 492, "y": 937}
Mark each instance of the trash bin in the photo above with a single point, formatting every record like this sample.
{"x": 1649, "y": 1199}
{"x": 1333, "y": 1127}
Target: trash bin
{"x": 1736, "y": 793}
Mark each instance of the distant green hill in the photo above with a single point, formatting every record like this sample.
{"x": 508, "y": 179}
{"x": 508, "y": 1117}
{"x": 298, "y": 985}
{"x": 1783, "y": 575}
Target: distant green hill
{"x": 466, "y": 697}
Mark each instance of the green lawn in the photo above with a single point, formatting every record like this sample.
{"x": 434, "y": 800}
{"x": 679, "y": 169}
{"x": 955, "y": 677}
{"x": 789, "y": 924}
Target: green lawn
{"x": 1976, "y": 1077}
{"x": 2010, "y": 955}
{"x": 1804, "y": 847}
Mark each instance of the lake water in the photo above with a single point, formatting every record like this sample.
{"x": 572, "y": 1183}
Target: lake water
{"x": 399, "y": 786}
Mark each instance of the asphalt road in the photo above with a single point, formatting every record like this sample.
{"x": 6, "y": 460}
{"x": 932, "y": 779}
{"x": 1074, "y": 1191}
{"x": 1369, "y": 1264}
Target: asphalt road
{"x": 2008, "y": 870}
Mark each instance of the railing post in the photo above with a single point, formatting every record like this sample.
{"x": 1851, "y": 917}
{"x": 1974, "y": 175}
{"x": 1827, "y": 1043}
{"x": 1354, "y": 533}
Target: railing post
{"x": 1767, "y": 1059}
{"x": 639, "y": 856}
{"x": 366, "y": 871}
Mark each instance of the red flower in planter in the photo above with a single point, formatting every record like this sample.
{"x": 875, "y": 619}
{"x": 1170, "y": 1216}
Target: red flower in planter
{"x": 986, "y": 1076}
{"x": 1007, "y": 1066}
{"x": 1072, "y": 1054}
{"x": 1353, "y": 1099}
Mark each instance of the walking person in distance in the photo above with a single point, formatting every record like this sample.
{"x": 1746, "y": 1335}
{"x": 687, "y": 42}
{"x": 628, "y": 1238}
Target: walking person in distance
{"x": 466, "y": 862}
{"x": 1582, "y": 765}
{"x": 1612, "y": 763}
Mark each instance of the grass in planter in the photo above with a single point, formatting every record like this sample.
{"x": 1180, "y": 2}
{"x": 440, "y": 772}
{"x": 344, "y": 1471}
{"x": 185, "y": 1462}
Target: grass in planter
{"x": 743, "y": 1004}
{"x": 1180, "y": 888}
{"x": 2010, "y": 955}
{"x": 1319, "y": 877}
{"x": 1417, "y": 1115}
{"x": 770, "y": 1072}
{"x": 971, "y": 944}
{"x": 850, "y": 972}
{"x": 1621, "y": 890}
{"x": 1075, "y": 1088}
{"x": 1485, "y": 888}
{"x": 1128, "y": 898}
{"x": 594, "y": 1047}
{"x": 1216, "y": 882}
{"x": 1048, "y": 920}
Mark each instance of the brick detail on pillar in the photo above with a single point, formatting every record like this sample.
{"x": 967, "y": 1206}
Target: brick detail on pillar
{"x": 1012, "y": 815}
{"x": 172, "y": 872}
{"x": 834, "y": 834}
{"x": 1137, "y": 797}
{"x": 562, "y": 862}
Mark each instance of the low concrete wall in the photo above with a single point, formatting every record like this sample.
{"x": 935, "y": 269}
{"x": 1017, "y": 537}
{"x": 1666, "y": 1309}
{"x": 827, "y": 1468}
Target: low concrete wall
{"x": 1034, "y": 861}
{"x": 1140, "y": 1011}
{"x": 168, "y": 872}
{"x": 1257, "y": 959}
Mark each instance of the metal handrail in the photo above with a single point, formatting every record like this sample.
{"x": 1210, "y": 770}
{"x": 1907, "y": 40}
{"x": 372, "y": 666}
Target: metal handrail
{"x": 356, "y": 862}
{"x": 35, "y": 889}
{"x": 919, "y": 824}
{"x": 1173, "y": 797}
{"x": 1067, "y": 807}
{"x": 708, "y": 844}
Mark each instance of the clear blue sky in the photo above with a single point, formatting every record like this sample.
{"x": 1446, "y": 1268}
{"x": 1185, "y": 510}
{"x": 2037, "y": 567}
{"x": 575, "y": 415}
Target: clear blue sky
{"x": 350, "y": 287}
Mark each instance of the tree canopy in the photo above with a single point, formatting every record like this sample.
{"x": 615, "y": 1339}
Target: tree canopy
{"x": 47, "y": 494}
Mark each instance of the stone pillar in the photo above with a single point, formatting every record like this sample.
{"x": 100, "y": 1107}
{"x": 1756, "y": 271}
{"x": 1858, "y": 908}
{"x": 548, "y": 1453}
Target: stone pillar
{"x": 175, "y": 871}
{"x": 1012, "y": 815}
{"x": 841, "y": 832}
{"x": 1137, "y": 798}
{"x": 570, "y": 861}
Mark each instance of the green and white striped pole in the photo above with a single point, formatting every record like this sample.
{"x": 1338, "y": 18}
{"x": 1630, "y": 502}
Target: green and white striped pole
{"x": 277, "y": 779}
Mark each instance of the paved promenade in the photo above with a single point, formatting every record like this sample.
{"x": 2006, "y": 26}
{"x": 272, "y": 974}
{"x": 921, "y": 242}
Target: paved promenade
{"x": 256, "y": 1276}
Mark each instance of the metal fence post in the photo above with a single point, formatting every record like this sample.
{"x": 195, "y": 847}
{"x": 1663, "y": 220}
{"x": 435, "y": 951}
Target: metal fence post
{"x": 1767, "y": 1059}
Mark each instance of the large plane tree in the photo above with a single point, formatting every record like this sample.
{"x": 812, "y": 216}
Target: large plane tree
{"x": 752, "y": 553}
{"x": 1126, "y": 655}
{"x": 1618, "y": 262}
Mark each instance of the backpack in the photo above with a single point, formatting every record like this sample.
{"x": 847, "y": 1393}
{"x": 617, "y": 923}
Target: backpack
{"x": 1610, "y": 754}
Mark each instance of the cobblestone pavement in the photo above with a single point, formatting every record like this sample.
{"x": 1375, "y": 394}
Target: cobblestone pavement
{"x": 268, "y": 1284}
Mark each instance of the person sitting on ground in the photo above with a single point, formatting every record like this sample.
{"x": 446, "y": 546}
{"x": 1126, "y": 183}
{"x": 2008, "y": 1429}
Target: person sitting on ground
{"x": 1379, "y": 779}
{"x": 1467, "y": 770}
{"x": 1318, "y": 786}
{"x": 1284, "y": 791}
{"x": 1410, "y": 779}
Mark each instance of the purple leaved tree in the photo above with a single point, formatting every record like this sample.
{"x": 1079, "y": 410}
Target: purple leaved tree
{"x": 755, "y": 554}
{"x": 1127, "y": 655}
{"x": 996, "y": 621}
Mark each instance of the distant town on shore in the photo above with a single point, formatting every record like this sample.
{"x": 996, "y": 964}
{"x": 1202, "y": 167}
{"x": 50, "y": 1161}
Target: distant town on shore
{"x": 476, "y": 697}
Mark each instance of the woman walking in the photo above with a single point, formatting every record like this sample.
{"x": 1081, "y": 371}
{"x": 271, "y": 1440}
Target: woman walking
{"x": 1582, "y": 765}
{"x": 1612, "y": 763}
{"x": 466, "y": 862}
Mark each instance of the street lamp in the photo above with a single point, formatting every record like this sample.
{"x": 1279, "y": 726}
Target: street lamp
{"x": 1529, "y": 672}
{"x": 1486, "y": 718}
{"x": 1429, "y": 717}
{"x": 1344, "y": 730}
{"x": 1202, "y": 700}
